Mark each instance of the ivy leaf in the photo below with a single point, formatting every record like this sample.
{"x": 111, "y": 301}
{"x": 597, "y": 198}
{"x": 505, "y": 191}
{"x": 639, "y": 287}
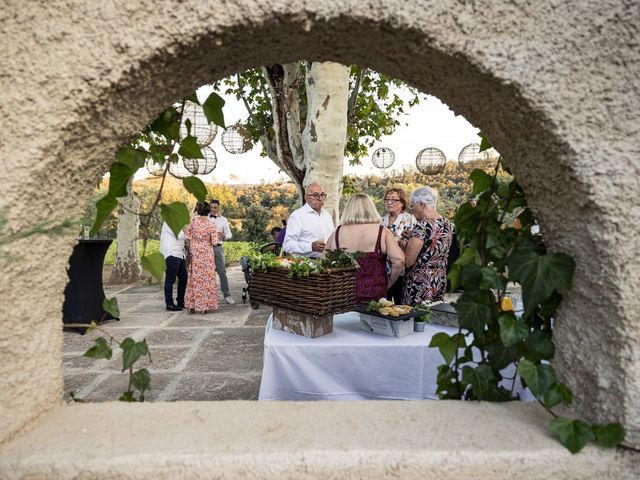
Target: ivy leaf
{"x": 131, "y": 157}
{"x": 573, "y": 434}
{"x": 472, "y": 315}
{"x": 556, "y": 394}
{"x": 141, "y": 379}
{"x": 538, "y": 377}
{"x": 512, "y": 329}
{"x": 481, "y": 181}
{"x": 187, "y": 125}
{"x": 100, "y": 350}
{"x": 480, "y": 379}
{"x": 491, "y": 280}
{"x": 155, "y": 265}
{"x": 132, "y": 351}
{"x": 446, "y": 345}
{"x": 110, "y": 305}
{"x": 176, "y": 214}
{"x": 193, "y": 98}
{"x": 609, "y": 435}
{"x": 119, "y": 175}
{"x": 127, "y": 397}
{"x": 167, "y": 124}
{"x": 212, "y": 107}
{"x": 189, "y": 148}
{"x": 104, "y": 207}
{"x": 485, "y": 144}
{"x": 539, "y": 274}
{"x": 539, "y": 346}
{"x": 196, "y": 187}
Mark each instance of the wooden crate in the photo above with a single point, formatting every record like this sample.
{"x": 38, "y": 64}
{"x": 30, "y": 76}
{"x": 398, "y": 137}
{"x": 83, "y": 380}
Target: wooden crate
{"x": 300, "y": 323}
{"x": 318, "y": 294}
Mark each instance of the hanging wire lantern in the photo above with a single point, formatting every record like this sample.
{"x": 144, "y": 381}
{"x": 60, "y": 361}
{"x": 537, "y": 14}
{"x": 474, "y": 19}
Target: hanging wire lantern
{"x": 178, "y": 170}
{"x": 236, "y": 139}
{"x": 383, "y": 157}
{"x": 204, "y": 131}
{"x": 202, "y": 166}
{"x": 154, "y": 168}
{"x": 431, "y": 161}
{"x": 471, "y": 157}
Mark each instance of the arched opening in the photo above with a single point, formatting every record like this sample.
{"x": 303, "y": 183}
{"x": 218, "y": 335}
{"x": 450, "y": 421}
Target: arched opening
{"x": 511, "y": 101}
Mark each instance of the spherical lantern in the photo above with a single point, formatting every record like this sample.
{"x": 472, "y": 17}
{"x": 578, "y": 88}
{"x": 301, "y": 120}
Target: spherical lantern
{"x": 236, "y": 139}
{"x": 155, "y": 168}
{"x": 383, "y": 157}
{"x": 178, "y": 169}
{"x": 204, "y": 131}
{"x": 431, "y": 161}
{"x": 471, "y": 157}
{"x": 202, "y": 166}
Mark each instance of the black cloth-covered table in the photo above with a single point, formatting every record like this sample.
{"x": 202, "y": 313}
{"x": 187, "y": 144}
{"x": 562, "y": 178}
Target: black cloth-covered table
{"x": 84, "y": 293}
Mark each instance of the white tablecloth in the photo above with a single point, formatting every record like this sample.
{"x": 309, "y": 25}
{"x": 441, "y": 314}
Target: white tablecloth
{"x": 350, "y": 364}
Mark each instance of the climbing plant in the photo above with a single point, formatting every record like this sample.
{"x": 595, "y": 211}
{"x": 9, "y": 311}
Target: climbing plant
{"x": 491, "y": 335}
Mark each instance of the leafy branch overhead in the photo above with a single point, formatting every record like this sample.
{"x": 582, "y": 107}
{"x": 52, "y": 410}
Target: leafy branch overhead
{"x": 492, "y": 335}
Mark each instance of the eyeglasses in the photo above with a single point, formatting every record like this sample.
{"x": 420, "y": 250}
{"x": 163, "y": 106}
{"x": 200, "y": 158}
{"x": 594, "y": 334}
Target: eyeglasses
{"x": 317, "y": 196}
{"x": 392, "y": 200}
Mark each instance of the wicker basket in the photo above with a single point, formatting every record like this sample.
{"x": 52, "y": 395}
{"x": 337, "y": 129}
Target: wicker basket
{"x": 318, "y": 294}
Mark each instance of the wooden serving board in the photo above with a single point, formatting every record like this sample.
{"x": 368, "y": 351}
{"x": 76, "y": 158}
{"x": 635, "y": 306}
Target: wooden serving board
{"x": 362, "y": 308}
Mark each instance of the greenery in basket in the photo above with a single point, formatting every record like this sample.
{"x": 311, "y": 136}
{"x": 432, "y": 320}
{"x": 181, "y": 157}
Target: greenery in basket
{"x": 303, "y": 266}
{"x": 494, "y": 252}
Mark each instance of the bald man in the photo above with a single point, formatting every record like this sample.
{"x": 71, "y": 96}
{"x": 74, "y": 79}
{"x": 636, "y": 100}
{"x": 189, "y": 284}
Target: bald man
{"x": 309, "y": 226}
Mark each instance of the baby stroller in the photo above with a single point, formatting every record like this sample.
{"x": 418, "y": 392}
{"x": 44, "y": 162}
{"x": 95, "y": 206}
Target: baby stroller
{"x": 245, "y": 264}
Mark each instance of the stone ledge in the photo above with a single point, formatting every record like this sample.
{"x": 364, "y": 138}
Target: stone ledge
{"x": 436, "y": 440}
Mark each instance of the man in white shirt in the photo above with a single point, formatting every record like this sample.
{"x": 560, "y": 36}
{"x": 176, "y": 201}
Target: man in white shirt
{"x": 172, "y": 249}
{"x": 309, "y": 226}
{"x": 224, "y": 233}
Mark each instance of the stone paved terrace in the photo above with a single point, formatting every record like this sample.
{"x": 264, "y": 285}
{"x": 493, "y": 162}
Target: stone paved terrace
{"x": 216, "y": 356}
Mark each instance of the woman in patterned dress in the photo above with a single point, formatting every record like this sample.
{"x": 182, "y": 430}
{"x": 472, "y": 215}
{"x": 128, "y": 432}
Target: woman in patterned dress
{"x": 426, "y": 251}
{"x": 398, "y": 220}
{"x": 201, "y": 234}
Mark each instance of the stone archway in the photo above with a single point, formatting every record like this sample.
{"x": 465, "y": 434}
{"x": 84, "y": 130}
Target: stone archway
{"x": 552, "y": 86}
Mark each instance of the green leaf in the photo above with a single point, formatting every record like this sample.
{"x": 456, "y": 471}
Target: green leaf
{"x": 167, "y": 124}
{"x": 539, "y": 346}
{"x": 446, "y": 345}
{"x": 556, "y": 394}
{"x": 484, "y": 144}
{"x": 481, "y": 379}
{"x": 189, "y": 148}
{"x": 196, "y": 187}
{"x": 132, "y": 351}
{"x": 127, "y": 397}
{"x": 213, "y": 109}
{"x": 539, "y": 274}
{"x": 512, "y": 329}
{"x": 110, "y": 305}
{"x": 538, "y": 377}
{"x": 472, "y": 315}
{"x": 193, "y": 98}
{"x": 104, "y": 207}
{"x": 609, "y": 435}
{"x": 100, "y": 350}
{"x": 176, "y": 214}
{"x": 155, "y": 265}
{"x": 481, "y": 181}
{"x": 573, "y": 434}
{"x": 491, "y": 280}
{"x": 141, "y": 379}
{"x": 131, "y": 157}
{"x": 119, "y": 175}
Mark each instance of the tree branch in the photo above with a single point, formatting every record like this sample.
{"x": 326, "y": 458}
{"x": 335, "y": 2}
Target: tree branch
{"x": 353, "y": 98}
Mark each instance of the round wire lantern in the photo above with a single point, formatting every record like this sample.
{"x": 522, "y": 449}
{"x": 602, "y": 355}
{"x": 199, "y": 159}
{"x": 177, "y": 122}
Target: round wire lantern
{"x": 178, "y": 169}
{"x": 431, "y": 161}
{"x": 204, "y": 131}
{"x": 383, "y": 157}
{"x": 236, "y": 139}
{"x": 471, "y": 157}
{"x": 202, "y": 166}
{"x": 154, "y": 168}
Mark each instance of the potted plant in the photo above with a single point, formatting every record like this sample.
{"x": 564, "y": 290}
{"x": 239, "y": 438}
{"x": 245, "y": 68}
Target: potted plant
{"x": 419, "y": 322}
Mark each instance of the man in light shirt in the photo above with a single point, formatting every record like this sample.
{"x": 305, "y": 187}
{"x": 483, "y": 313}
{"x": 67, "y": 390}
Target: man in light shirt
{"x": 224, "y": 233}
{"x": 172, "y": 250}
{"x": 309, "y": 226}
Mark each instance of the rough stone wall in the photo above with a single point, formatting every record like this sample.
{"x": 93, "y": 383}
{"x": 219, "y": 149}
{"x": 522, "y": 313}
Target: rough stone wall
{"x": 554, "y": 85}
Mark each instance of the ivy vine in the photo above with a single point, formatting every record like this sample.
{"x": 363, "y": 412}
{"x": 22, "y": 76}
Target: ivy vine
{"x": 491, "y": 337}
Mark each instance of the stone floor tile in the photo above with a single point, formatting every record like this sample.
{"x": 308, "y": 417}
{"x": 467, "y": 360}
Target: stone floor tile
{"x": 172, "y": 336}
{"x": 112, "y": 388}
{"x": 204, "y": 387}
{"x": 76, "y": 382}
{"x": 163, "y": 358}
{"x": 234, "y": 350}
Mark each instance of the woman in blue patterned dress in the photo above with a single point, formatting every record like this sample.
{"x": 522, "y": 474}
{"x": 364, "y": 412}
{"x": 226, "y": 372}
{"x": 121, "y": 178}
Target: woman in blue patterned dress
{"x": 426, "y": 251}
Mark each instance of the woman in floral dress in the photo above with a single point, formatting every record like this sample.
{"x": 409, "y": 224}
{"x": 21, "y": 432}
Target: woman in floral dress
{"x": 426, "y": 251}
{"x": 201, "y": 235}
